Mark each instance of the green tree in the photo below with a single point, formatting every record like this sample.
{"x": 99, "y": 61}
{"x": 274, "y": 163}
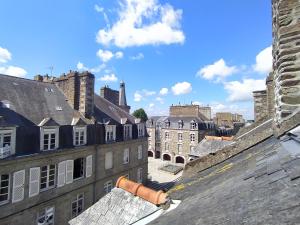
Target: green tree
{"x": 141, "y": 114}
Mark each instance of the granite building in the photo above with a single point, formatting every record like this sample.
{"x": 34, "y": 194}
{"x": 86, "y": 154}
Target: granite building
{"x": 62, "y": 147}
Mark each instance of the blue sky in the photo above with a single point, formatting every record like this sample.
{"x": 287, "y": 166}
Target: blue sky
{"x": 209, "y": 52}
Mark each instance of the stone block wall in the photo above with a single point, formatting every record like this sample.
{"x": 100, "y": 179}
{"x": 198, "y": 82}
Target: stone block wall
{"x": 184, "y": 110}
{"x": 270, "y": 95}
{"x": 110, "y": 95}
{"x": 260, "y": 105}
{"x": 286, "y": 58}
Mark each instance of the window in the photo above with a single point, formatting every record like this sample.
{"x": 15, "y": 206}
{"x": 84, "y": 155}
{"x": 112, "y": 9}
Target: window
{"x": 167, "y": 135}
{"x": 180, "y": 124}
{"x": 49, "y": 139}
{"x": 5, "y": 143}
{"x": 193, "y": 125}
{"x": 167, "y": 124}
{"x": 77, "y": 205}
{"x": 179, "y": 148}
{"x": 140, "y": 152}
{"x": 192, "y": 137}
{"x": 167, "y": 146}
{"x": 46, "y": 216}
{"x": 192, "y": 148}
{"x": 141, "y": 130}
{"x": 79, "y": 135}
{"x": 179, "y": 136}
{"x": 127, "y": 131}
{"x": 140, "y": 175}
{"x": 47, "y": 177}
{"x": 108, "y": 160}
{"x": 126, "y": 156}
{"x": 78, "y": 168}
{"x": 108, "y": 186}
{"x": 4, "y": 188}
{"x": 110, "y": 133}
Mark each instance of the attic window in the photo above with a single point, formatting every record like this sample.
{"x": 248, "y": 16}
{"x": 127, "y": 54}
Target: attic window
{"x": 58, "y": 108}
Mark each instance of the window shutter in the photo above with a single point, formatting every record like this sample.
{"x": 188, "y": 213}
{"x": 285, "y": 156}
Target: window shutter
{"x": 61, "y": 175}
{"x": 34, "y": 181}
{"x": 89, "y": 166}
{"x": 69, "y": 171}
{"x": 108, "y": 160}
{"x": 18, "y": 186}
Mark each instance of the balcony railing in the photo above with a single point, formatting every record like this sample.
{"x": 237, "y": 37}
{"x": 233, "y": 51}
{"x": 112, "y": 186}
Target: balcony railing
{"x": 5, "y": 152}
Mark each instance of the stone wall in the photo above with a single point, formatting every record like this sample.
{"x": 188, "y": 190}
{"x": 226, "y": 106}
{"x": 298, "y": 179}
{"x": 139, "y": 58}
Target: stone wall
{"x": 206, "y": 111}
{"x": 270, "y": 95}
{"x": 286, "y": 59}
{"x": 110, "y": 95}
{"x": 260, "y": 105}
{"x": 184, "y": 110}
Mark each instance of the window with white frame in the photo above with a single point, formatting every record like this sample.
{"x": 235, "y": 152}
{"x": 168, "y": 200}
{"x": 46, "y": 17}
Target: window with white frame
{"x": 167, "y": 135}
{"x": 7, "y": 143}
{"x": 77, "y": 205}
{"x": 141, "y": 130}
{"x": 179, "y": 148}
{"x": 126, "y": 156}
{"x": 5, "y": 139}
{"x": 127, "y": 131}
{"x": 110, "y": 133}
{"x": 140, "y": 152}
{"x": 108, "y": 187}
{"x": 140, "y": 175}
{"x": 108, "y": 160}
{"x": 167, "y": 146}
{"x": 47, "y": 178}
{"x": 46, "y": 216}
{"x": 180, "y": 124}
{"x": 79, "y": 136}
{"x": 192, "y": 137}
{"x": 49, "y": 139}
{"x": 193, "y": 125}
{"x": 4, "y": 188}
{"x": 167, "y": 124}
{"x": 179, "y": 136}
{"x": 78, "y": 171}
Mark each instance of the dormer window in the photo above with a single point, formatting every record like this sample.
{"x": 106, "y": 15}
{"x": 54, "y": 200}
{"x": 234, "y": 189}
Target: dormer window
{"x": 7, "y": 142}
{"x": 193, "y": 125}
{"x": 167, "y": 124}
{"x": 141, "y": 130}
{"x": 49, "y": 138}
{"x": 110, "y": 133}
{"x": 79, "y": 135}
{"x": 127, "y": 131}
{"x": 180, "y": 124}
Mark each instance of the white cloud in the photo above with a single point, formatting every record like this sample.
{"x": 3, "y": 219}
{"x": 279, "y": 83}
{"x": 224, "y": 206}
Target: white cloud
{"x": 97, "y": 69}
{"x": 105, "y": 55}
{"x": 242, "y": 91}
{"x": 5, "y": 55}
{"x": 109, "y": 78}
{"x": 13, "y": 71}
{"x": 119, "y": 55}
{"x": 159, "y": 99}
{"x": 98, "y": 8}
{"x": 218, "y": 70}
{"x": 143, "y": 23}
{"x": 137, "y": 97}
{"x": 164, "y": 91}
{"x": 182, "y": 88}
{"x": 264, "y": 61}
{"x": 139, "y": 56}
{"x": 151, "y": 105}
{"x": 148, "y": 93}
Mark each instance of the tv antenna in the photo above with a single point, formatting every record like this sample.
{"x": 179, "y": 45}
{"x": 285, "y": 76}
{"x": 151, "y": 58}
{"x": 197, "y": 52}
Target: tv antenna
{"x": 51, "y": 69}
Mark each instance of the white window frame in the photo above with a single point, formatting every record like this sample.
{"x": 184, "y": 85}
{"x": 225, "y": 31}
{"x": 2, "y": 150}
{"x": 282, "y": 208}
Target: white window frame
{"x": 140, "y": 175}
{"x": 192, "y": 137}
{"x": 108, "y": 186}
{"x": 167, "y": 135}
{"x": 126, "y": 156}
{"x": 79, "y": 198}
{"x": 180, "y": 125}
{"x": 140, "y": 152}
{"x": 127, "y": 131}
{"x": 81, "y": 131}
{"x": 3, "y": 187}
{"x": 180, "y": 137}
{"x": 110, "y": 133}
{"x": 193, "y": 126}
{"x": 141, "y": 130}
{"x": 49, "y": 131}
{"x": 50, "y": 210}
{"x": 109, "y": 165}
{"x": 179, "y": 148}
{"x": 167, "y": 146}
{"x": 48, "y": 177}
{"x": 7, "y": 150}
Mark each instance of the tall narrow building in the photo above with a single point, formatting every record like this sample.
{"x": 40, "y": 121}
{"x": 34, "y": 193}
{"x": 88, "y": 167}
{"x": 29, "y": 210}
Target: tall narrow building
{"x": 122, "y": 98}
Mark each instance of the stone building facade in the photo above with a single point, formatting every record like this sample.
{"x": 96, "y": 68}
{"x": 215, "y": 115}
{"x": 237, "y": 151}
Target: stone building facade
{"x": 227, "y": 119}
{"x": 62, "y": 147}
{"x": 260, "y": 105}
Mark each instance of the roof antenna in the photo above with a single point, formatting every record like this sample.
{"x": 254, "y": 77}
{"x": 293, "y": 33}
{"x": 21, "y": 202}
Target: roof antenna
{"x": 51, "y": 69}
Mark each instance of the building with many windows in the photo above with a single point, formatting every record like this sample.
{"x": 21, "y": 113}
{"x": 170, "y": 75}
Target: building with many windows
{"x": 62, "y": 147}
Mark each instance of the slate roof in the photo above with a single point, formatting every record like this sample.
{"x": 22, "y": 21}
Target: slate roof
{"x": 117, "y": 207}
{"x": 30, "y": 102}
{"x": 261, "y": 185}
{"x": 206, "y": 147}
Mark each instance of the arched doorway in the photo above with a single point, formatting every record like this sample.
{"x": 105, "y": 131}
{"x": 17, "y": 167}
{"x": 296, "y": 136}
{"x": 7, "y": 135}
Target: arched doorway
{"x": 150, "y": 154}
{"x": 179, "y": 159}
{"x": 166, "y": 157}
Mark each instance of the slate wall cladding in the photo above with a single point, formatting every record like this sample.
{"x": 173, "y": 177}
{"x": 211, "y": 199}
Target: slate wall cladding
{"x": 286, "y": 58}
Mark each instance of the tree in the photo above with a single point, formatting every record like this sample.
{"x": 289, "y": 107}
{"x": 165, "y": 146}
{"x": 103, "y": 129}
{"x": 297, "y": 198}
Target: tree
{"x": 141, "y": 114}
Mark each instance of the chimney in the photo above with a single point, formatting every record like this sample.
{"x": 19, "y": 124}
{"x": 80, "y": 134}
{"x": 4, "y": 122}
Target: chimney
{"x": 260, "y": 105}
{"x": 122, "y": 98}
{"x": 286, "y": 61}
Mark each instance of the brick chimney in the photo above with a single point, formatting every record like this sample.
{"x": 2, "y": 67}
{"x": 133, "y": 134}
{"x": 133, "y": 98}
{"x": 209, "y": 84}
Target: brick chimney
{"x": 286, "y": 61}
